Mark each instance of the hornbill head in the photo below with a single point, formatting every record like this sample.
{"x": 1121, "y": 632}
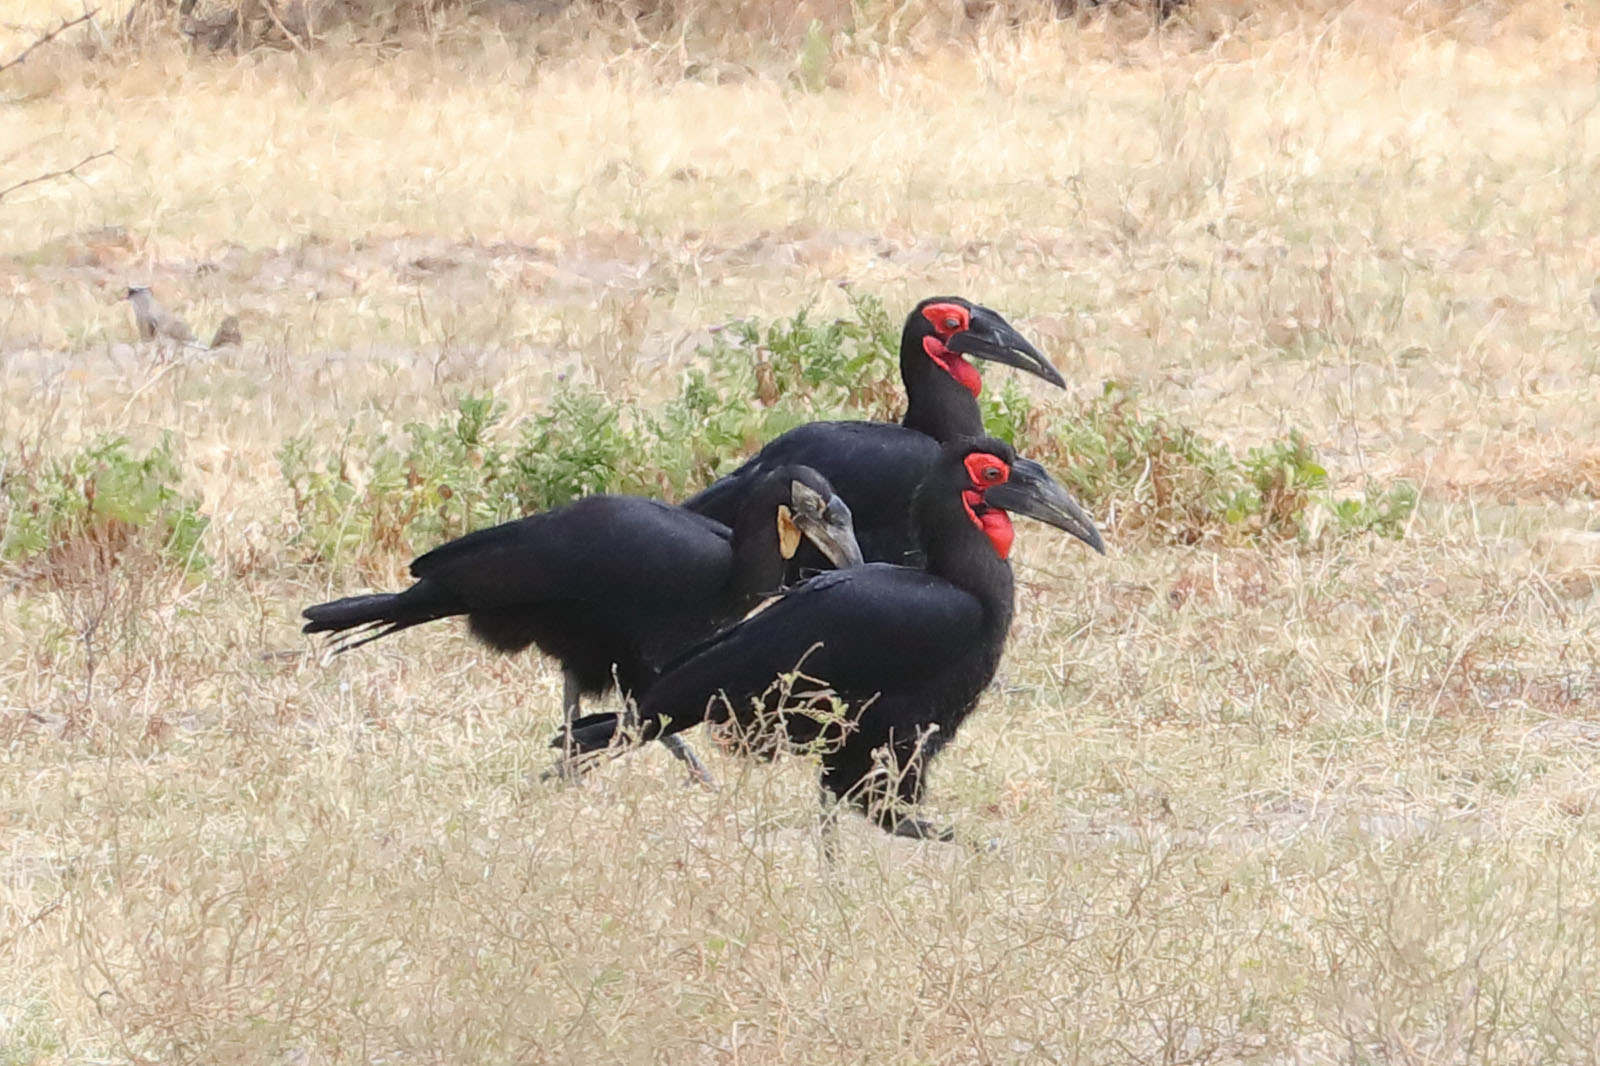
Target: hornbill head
{"x": 1000, "y": 482}
{"x": 813, "y": 510}
{"x": 948, "y": 328}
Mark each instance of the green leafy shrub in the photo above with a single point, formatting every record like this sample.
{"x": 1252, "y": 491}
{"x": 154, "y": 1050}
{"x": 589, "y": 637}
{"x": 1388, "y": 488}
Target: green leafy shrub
{"x": 1168, "y": 482}
{"x": 1382, "y": 510}
{"x": 1157, "y": 479}
{"x": 437, "y": 482}
{"x": 102, "y": 499}
{"x": 433, "y": 481}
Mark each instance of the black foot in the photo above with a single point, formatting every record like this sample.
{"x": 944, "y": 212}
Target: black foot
{"x": 684, "y": 753}
{"x": 566, "y": 771}
{"x": 917, "y": 829}
{"x": 571, "y": 767}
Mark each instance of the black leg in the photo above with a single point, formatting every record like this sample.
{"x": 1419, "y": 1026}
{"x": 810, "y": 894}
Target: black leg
{"x": 684, "y": 753}
{"x": 567, "y": 768}
{"x": 570, "y": 697}
{"x": 885, "y": 782}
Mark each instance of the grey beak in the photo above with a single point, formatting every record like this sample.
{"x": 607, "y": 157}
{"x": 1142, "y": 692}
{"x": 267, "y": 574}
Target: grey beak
{"x": 834, "y": 533}
{"x": 988, "y": 336}
{"x": 1031, "y": 491}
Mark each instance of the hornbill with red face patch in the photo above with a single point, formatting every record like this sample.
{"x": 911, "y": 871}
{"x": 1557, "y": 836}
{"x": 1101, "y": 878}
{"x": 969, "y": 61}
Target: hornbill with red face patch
{"x": 877, "y": 466}
{"x": 878, "y": 665}
{"x": 611, "y": 586}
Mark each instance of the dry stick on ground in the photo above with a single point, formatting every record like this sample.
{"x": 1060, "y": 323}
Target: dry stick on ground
{"x": 23, "y": 55}
{"x": 52, "y": 35}
{"x": 272, "y": 13}
{"x": 64, "y": 172}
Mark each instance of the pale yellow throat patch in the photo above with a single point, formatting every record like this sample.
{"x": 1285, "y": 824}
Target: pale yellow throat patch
{"x": 788, "y": 533}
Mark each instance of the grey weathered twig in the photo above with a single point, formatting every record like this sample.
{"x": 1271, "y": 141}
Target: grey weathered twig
{"x": 64, "y": 172}
{"x": 66, "y": 25}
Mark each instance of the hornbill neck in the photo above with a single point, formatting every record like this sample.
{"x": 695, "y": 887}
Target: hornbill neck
{"x": 758, "y": 565}
{"x": 936, "y": 404}
{"x": 963, "y": 555}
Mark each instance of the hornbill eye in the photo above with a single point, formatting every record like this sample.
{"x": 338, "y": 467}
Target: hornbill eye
{"x": 985, "y": 469}
{"x": 947, "y": 319}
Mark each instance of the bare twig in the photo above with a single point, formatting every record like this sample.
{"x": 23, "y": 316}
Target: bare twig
{"x": 66, "y": 25}
{"x": 65, "y": 172}
{"x": 272, "y": 13}
{"x": 38, "y": 916}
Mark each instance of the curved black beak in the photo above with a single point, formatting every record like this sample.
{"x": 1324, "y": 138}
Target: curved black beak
{"x": 988, "y": 336}
{"x": 1033, "y": 492}
{"x": 830, "y": 528}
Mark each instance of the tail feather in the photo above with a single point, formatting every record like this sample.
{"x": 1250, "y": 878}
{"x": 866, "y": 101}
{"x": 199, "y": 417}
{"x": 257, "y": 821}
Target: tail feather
{"x": 358, "y": 620}
{"x": 597, "y": 732}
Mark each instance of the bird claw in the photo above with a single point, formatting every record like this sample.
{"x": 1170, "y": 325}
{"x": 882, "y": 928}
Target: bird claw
{"x": 569, "y": 769}
{"x": 681, "y": 751}
{"x": 562, "y": 771}
{"x": 917, "y": 829}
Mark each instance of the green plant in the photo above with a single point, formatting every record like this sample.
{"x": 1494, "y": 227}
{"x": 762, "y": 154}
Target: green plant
{"x": 104, "y": 497}
{"x": 577, "y": 448}
{"x": 440, "y": 481}
{"x": 816, "y": 55}
{"x": 1279, "y": 479}
{"x": 1170, "y": 482}
{"x": 753, "y": 382}
{"x": 1384, "y": 511}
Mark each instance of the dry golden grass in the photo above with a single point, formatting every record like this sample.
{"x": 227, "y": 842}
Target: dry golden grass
{"x": 1300, "y": 805}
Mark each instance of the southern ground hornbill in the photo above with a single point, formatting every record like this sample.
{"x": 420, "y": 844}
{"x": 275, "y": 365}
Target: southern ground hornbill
{"x": 611, "y": 586}
{"x": 877, "y": 466}
{"x": 876, "y": 666}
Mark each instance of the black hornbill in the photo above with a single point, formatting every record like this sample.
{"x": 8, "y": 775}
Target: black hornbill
{"x": 878, "y": 665}
{"x": 877, "y": 466}
{"x": 611, "y": 586}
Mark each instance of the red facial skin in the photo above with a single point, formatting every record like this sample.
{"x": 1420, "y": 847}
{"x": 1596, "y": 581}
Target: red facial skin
{"x": 947, "y": 320}
{"x": 986, "y": 470}
{"x": 953, "y": 364}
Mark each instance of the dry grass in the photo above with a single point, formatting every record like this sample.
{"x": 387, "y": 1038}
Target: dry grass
{"x": 1298, "y": 806}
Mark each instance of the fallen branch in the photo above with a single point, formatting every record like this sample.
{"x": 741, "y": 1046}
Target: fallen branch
{"x": 64, "y": 172}
{"x": 52, "y": 35}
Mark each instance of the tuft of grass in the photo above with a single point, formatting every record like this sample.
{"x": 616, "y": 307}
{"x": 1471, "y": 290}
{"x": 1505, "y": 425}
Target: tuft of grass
{"x": 816, "y": 53}
{"x": 104, "y": 497}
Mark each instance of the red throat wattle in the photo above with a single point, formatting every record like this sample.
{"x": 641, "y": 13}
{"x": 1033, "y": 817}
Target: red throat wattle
{"x": 953, "y": 364}
{"x": 996, "y": 525}
{"x": 986, "y": 470}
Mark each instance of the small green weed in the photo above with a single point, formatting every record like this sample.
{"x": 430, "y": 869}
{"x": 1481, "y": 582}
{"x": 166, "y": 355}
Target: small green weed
{"x": 439, "y": 482}
{"x": 1169, "y": 482}
{"x": 103, "y": 497}
{"x": 816, "y": 55}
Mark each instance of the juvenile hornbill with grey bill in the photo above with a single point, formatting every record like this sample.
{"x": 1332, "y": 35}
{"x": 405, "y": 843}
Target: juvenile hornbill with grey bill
{"x": 879, "y": 665}
{"x": 610, "y": 586}
{"x": 877, "y": 466}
